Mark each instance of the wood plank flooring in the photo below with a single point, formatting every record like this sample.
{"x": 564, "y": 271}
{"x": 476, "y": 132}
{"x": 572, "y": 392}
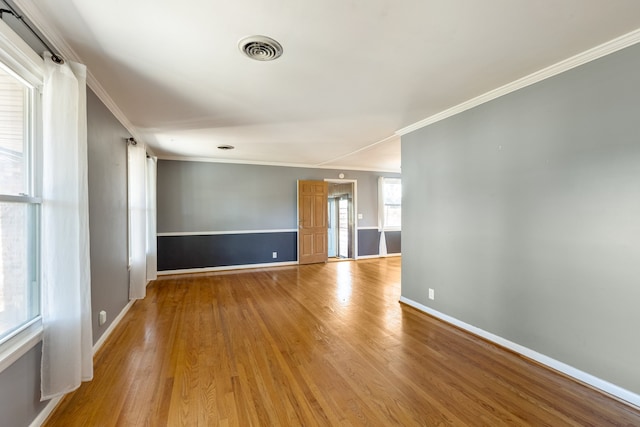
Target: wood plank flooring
{"x": 315, "y": 345}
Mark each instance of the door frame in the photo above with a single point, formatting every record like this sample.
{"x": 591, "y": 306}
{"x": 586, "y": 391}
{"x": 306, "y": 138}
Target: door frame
{"x": 354, "y": 231}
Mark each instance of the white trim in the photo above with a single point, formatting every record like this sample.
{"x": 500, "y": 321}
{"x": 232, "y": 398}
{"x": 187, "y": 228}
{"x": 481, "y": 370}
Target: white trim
{"x": 575, "y": 373}
{"x": 366, "y": 147}
{"x": 20, "y": 61}
{"x": 377, "y": 256}
{"x": 214, "y": 233}
{"x": 277, "y": 164}
{"x": 112, "y": 327}
{"x": 226, "y": 267}
{"x": 48, "y": 410}
{"x": 20, "y": 343}
{"x": 604, "y": 49}
{"x": 19, "y": 57}
{"x": 53, "y": 403}
{"x": 369, "y": 257}
{"x": 369, "y": 227}
{"x": 20, "y": 199}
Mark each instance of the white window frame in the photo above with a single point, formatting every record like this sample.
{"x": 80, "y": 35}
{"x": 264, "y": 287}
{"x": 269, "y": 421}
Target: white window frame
{"x": 384, "y": 205}
{"x": 21, "y": 61}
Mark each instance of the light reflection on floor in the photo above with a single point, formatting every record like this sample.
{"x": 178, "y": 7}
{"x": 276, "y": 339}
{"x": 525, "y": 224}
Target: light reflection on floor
{"x": 343, "y": 285}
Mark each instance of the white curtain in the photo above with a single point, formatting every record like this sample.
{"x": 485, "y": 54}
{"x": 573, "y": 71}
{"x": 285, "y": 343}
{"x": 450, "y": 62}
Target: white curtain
{"x": 152, "y": 247}
{"x": 382, "y": 249}
{"x": 66, "y": 276}
{"x": 136, "y": 166}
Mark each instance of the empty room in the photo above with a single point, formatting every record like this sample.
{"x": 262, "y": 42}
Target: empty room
{"x": 335, "y": 213}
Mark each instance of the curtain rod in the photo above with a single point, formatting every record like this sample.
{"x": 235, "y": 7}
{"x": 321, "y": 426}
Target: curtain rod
{"x": 54, "y": 56}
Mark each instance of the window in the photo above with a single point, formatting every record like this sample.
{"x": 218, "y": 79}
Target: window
{"x": 19, "y": 206}
{"x": 392, "y": 194}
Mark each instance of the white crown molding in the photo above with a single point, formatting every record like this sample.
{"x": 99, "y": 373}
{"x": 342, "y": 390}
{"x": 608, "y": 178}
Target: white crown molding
{"x": 359, "y": 150}
{"x": 55, "y": 39}
{"x": 35, "y": 15}
{"x": 604, "y": 49}
{"x": 284, "y": 165}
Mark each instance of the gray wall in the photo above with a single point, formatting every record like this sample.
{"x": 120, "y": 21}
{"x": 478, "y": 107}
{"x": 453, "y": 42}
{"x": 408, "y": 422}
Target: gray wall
{"x": 20, "y": 390}
{"x": 20, "y": 383}
{"x": 107, "y": 153}
{"x": 222, "y": 197}
{"x": 524, "y": 215}
{"x": 201, "y": 196}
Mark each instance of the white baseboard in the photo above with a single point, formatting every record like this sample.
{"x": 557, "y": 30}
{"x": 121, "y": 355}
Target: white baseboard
{"x": 584, "y": 377}
{"x": 112, "y": 326}
{"x": 44, "y": 414}
{"x": 226, "y": 267}
{"x": 378, "y": 256}
{"x": 53, "y": 403}
{"x": 247, "y": 266}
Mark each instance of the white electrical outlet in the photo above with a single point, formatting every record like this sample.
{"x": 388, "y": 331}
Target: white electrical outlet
{"x": 102, "y": 318}
{"x": 274, "y": 255}
{"x": 432, "y": 294}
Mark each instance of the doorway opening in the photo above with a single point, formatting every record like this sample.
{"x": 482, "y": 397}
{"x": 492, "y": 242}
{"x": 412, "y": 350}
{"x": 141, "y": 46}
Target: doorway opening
{"x": 341, "y": 236}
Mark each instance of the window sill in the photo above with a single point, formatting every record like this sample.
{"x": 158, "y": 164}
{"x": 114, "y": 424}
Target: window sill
{"x": 16, "y": 347}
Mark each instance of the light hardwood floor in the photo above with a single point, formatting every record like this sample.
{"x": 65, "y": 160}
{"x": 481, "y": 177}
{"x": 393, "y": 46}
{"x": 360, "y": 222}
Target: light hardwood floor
{"x": 324, "y": 344}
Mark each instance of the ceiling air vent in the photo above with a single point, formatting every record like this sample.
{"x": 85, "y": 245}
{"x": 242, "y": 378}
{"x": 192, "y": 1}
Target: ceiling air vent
{"x": 226, "y": 147}
{"x": 260, "y": 48}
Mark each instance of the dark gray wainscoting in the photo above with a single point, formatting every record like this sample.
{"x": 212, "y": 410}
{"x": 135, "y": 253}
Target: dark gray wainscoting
{"x": 220, "y": 250}
{"x": 369, "y": 242}
{"x": 393, "y": 242}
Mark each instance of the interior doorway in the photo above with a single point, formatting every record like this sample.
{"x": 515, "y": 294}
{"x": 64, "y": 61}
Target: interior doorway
{"x": 341, "y": 236}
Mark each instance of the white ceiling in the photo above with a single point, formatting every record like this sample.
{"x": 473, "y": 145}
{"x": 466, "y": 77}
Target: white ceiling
{"x": 353, "y": 72}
